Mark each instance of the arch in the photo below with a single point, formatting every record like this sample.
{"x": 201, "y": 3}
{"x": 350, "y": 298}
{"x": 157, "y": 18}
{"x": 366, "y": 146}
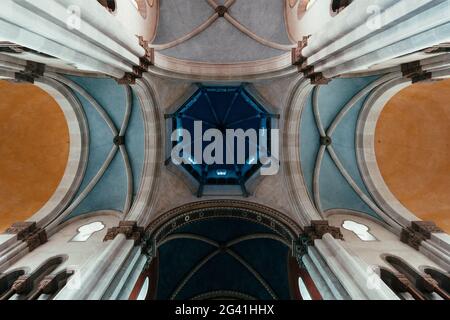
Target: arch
{"x": 35, "y": 150}
{"x": 169, "y": 228}
{"x": 78, "y": 149}
{"x": 427, "y": 286}
{"x": 399, "y": 285}
{"x": 411, "y": 149}
{"x": 223, "y": 295}
{"x": 146, "y": 194}
{"x": 28, "y": 286}
{"x": 366, "y": 155}
{"x": 298, "y": 194}
{"x": 338, "y": 5}
{"x": 197, "y": 211}
{"x": 110, "y": 5}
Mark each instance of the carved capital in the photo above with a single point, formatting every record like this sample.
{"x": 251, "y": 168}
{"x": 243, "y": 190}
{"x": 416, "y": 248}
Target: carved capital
{"x": 411, "y": 238}
{"x": 28, "y": 232}
{"x": 316, "y": 231}
{"x": 297, "y": 57}
{"x": 33, "y": 70}
{"x": 148, "y": 59}
{"x": 418, "y": 232}
{"x": 414, "y": 71}
{"x": 144, "y": 63}
{"x": 130, "y": 229}
{"x": 127, "y": 79}
{"x": 319, "y": 228}
{"x": 318, "y": 79}
{"x": 48, "y": 285}
{"x": 426, "y": 228}
{"x": 22, "y": 229}
{"x": 23, "y": 285}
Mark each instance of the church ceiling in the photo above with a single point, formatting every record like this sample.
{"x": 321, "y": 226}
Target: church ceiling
{"x": 326, "y": 183}
{"x": 223, "y": 108}
{"x": 212, "y": 256}
{"x": 111, "y": 191}
{"x": 249, "y": 30}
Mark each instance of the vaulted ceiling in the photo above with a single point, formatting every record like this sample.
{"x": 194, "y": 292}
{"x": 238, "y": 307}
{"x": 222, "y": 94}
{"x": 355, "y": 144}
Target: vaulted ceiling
{"x": 413, "y": 151}
{"x": 223, "y": 257}
{"x": 33, "y": 153}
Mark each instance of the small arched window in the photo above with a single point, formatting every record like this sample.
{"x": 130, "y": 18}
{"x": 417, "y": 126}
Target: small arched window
{"x": 359, "y": 229}
{"x": 86, "y": 231}
{"x": 339, "y": 5}
{"x": 108, "y": 4}
{"x": 428, "y": 287}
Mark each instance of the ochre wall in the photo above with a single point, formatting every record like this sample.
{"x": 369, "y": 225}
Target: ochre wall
{"x": 413, "y": 150}
{"x": 34, "y": 150}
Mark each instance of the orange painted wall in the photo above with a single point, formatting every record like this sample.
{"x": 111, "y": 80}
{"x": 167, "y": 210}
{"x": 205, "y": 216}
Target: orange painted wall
{"x": 34, "y": 150}
{"x": 413, "y": 150}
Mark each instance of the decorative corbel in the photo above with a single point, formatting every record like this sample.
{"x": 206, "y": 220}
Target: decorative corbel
{"x": 418, "y": 231}
{"x": 33, "y": 70}
{"x": 316, "y": 231}
{"x": 301, "y": 62}
{"x": 130, "y": 229}
{"x": 319, "y": 228}
{"x": 414, "y": 71}
{"x": 144, "y": 63}
{"x": 29, "y": 233}
{"x": 297, "y": 57}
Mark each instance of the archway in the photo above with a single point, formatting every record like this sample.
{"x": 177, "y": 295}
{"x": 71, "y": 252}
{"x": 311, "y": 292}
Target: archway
{"x": 221, "y": 249}
{"x": 411, "y": 149}
{"x": 34, "y": 153}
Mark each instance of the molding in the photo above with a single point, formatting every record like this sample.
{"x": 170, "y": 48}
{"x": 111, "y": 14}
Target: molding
{"x": 146, "y": 195}
{"x": 365, "y": 151}
{"x": 212, "y": 209}
{"x": 204, "y": 71}
{"x": 298, "y": 194}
